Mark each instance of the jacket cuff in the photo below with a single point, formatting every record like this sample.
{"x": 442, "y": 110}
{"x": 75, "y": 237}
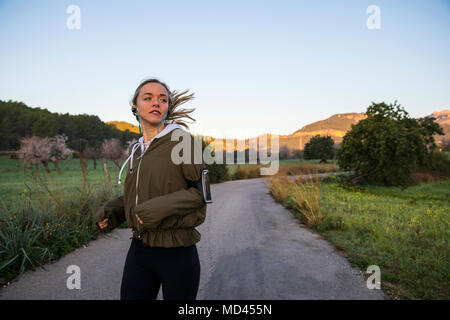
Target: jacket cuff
{"x": 115, "y": 216}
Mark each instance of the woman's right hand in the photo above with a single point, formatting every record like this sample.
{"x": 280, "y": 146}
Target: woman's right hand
{"x": 103, "y": 224}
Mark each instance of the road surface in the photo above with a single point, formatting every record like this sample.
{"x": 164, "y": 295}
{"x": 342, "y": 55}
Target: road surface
{"x": 251, "y": 248}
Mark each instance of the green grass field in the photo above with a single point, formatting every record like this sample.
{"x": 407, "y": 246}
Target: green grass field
{"x": 13, "y": 181}
{"x": 406, "y": 233}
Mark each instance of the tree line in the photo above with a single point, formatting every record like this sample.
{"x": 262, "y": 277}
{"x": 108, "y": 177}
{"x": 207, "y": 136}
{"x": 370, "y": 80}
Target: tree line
{"x": 17, "y": 121}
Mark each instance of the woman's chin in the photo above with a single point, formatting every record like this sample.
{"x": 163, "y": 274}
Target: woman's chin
{"x": 154, "y": 122}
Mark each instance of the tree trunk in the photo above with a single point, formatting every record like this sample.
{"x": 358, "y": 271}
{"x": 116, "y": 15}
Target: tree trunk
{"x": 55, "y": 163}
{"x": 95, "y": 164}
{"x": 107, "y": 175}
{"x": 83, "y": 167}
{"x": 45, "y": 163}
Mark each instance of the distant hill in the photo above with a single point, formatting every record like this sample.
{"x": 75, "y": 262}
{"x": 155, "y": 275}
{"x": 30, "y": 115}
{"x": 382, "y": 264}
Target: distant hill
{"x": 443, "y": 118}
{"x": 335, "y": 126}
{"x": 123, "y": 125}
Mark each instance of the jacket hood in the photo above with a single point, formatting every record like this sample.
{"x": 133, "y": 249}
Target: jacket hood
{"x": 168, "y": 128}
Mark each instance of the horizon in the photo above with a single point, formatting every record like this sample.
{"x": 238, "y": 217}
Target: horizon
{"x": 323, "y": 57}
{"x": 239, "y": 138}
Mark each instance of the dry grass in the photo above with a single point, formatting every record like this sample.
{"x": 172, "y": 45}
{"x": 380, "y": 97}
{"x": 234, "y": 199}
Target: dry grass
{"x": 301, "y": 194}
{"x": 426, "y": 177}
{"x": 247, "y": 172}
{"x": 307, "y": 168}
{"x": 305, "y": 196}
{"x": 404, "y": 232}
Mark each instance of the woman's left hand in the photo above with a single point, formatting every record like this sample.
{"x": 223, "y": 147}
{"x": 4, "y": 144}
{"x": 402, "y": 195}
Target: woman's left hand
{"x": 140, "y": 221}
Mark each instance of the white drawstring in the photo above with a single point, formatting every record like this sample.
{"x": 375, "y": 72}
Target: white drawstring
{"x": 143, "y": 145}
{"x": 135, "y": 146}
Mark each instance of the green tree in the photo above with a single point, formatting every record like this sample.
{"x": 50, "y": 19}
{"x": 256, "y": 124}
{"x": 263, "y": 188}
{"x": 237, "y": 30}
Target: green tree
{"x": 319, "y": 148}
{"x": 218, "y": 172}
{"x": 18, "y": 121}
{"x": 6, "y": 132}
{"x": 388, "y": 146}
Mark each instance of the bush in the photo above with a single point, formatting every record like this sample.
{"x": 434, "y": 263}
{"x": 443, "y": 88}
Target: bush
{"x": 388, "y": 146}
{"x": 35, "y": 232}
{"x": 218, "y": 172}
{"x": 246, "y": 172}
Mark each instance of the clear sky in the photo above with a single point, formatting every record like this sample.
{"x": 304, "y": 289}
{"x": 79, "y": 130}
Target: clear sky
{"x": 254, "y": 66}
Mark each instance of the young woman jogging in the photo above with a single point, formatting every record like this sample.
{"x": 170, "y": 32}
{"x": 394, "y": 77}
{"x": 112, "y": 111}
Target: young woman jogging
{"x": 162, "y": 201}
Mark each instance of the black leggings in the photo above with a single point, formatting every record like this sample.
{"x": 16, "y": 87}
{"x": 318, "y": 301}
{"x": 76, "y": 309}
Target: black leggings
{"x": 178, "y": 269}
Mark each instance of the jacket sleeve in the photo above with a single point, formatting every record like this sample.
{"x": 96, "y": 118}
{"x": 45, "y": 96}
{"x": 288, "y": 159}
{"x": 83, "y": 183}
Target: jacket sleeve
{"x": 193, "y": 219}
{"x": 181, "y": 202}
{"x": 114, "y": 211}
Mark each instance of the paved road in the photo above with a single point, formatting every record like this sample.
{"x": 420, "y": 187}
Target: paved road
{"x": 251, "y": 248}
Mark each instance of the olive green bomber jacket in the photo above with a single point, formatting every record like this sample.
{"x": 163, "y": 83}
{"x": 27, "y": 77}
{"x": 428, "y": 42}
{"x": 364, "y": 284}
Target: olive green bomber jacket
{"x": 168, "y": 208}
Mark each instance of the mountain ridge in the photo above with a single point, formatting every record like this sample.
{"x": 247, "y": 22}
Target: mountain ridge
{"x": 335, "y": 126}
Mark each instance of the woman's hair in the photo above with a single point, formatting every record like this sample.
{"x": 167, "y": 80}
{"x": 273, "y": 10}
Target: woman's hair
{"x": 175, "y": 100}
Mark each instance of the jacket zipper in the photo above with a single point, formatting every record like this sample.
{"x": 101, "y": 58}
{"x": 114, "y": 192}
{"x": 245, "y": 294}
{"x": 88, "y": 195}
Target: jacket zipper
{"x": 137, "y": 181}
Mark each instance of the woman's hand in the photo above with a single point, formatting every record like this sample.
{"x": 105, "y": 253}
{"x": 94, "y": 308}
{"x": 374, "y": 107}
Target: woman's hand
{"x": 103, "y": 224}
{"x": 140, "y": 221}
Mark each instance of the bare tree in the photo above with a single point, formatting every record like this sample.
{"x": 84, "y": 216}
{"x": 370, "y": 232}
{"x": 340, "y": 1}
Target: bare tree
{"x": 111, "y": 150}
{"x": 297, "y": 154}
{"x": 127, "y": 149}
{"x": 93, "y": 154}
{"x": 284, "y": 152}
{"x": 59, "y": 150}
{"x": 34, "y": 150}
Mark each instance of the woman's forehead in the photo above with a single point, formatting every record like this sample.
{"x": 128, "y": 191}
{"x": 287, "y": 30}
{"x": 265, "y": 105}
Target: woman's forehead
{"x": 153, "y": 88}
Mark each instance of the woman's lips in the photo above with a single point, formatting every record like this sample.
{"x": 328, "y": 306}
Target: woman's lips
{"x": 155, "y": 112}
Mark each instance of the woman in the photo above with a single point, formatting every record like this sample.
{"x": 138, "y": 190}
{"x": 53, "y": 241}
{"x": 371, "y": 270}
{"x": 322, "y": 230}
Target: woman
{"x": 158, "y": 202}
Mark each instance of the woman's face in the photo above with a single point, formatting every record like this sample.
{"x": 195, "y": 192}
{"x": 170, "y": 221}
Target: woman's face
{"x": 152, "y": 103}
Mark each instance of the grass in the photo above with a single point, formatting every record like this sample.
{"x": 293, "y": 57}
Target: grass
{"x": 13, "y": 181}
{"x": 46, "y": 216}
{"x": 406, "y": 233}
{"x": 290, "y": 166}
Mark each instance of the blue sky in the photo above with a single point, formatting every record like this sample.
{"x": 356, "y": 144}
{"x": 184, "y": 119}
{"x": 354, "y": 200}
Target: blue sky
{"x": 254, "y": 66}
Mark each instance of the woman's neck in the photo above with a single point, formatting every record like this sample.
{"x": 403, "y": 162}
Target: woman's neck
{"x": 150, "y": 131}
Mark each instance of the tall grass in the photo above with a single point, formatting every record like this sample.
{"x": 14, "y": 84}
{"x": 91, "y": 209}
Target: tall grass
{"x": 248, "y": 171}
{"x": 43, "y": 226}
{"x": 305, "y": 197}
{"x": 302, "y": 195}
{"x": 405, "y": 232}
{"x": 307, "y": 168}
